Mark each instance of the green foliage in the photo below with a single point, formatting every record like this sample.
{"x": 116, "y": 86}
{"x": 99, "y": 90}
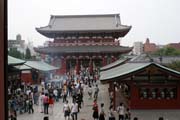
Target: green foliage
{"x": 28, "y": 53}
{"x": 15, "y": 53}
{"x": 167, "y": 51}
{"x": 175, "y": 65}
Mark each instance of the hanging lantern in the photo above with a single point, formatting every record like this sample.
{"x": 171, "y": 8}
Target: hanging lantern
{"x": 87, "y": 57}
{"x": 68, "y": 57}
{"x": 99, "y": 56}
{"x": 80, "y": 57}
{"x": 93, "y": 56}
{"x": 74, "y": 57}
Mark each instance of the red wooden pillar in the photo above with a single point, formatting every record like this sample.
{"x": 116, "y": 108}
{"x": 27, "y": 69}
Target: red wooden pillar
{"x": 63, "y": 65}
{"x": 90, "y": 65}
{"x": 104, "y": 61}
{"x": 178, "y": 95}
{"x": 134, "y": 95}
{"x": 113, "y": 59}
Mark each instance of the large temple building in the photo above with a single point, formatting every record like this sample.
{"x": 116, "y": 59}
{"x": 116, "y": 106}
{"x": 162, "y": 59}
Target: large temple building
{"x": 83, "y": 41}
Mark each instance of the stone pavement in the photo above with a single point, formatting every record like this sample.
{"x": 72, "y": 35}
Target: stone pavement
{"x": 86, "y": 111}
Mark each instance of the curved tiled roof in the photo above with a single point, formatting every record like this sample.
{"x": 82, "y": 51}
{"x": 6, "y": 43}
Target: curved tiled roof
{"x": 129, "y": 68}
{"x": 84, "y": 49}
{"x": 114, "y": 64}
{"x": 83, "y": 23}
{"x": 40, "y": 65}
{"x": 15, "y": 61}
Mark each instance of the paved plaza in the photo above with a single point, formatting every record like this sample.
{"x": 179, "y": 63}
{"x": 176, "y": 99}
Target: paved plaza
{"x": 86, "y": 111}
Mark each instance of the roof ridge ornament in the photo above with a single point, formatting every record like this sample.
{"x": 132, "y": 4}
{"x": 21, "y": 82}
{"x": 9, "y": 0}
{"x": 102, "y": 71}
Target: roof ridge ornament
{"x": 117, "y": 20}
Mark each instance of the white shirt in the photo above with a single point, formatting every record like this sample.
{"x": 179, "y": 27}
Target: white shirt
{"x": 41, "y": 99}
{"x": 74, "y": 107}
{"x": 28, "y": 91}
{"x": 121, "y": 110}
{"x": 66, "y": 107}
{"x": 90, "y": 90}
{"x": 55, "y": 92}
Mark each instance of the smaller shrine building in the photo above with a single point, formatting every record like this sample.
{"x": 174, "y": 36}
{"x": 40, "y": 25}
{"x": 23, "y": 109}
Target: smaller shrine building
{"x": 145, "y": 85}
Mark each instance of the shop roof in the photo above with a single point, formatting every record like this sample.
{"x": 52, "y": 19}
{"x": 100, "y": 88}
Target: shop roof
{"x": 114, "y": 64}
{"x": 23, "y": 67}
{"x": 15, "y": 61}
{"x": 40, "y": 65}
{"x": 130, "y": 68}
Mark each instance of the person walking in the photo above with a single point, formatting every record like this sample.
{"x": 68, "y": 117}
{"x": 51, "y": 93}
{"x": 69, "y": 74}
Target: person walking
{"x": 51, "y": 103}
{"x": 96, "y": 91}
{"x": 30, "y": 106}
{"x": 121, "y": 111}
{"x": 66, "y": 110}
{"x": 74, "y": 110}
{"x": 102, "y": 112}
{"x": 64, "y": 95}
{"x": 41, "y": 102}
{"x": 111, "y": 113}
{"x": 55, "y": 93}
{"x": 95, "y": 110}
{"x": 90, "y": 91}
{"x": 46, "y": 103}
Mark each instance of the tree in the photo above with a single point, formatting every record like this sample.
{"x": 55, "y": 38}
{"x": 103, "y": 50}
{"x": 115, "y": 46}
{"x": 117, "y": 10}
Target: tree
{"x": 15, "y": 53}
{"x": 175, "y": 65}
{"x": 28, "y": 53}
{"x": 167, "y": 51}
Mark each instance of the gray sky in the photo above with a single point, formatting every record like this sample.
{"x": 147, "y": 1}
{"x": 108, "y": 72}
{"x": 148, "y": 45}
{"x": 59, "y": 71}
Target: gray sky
{"x": 159, "y": 20}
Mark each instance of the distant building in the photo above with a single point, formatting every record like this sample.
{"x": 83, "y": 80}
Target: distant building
{"x": 149, "y": 47}
{"x": 138, "y": 48}
{"x": 18, "y": 43}
{"x": 174, "y": 45}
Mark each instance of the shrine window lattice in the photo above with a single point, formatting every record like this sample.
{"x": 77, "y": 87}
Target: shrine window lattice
{"x": 158, "y": 93}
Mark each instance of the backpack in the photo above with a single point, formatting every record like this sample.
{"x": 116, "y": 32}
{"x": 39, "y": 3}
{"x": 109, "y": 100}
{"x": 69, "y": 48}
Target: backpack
{"x": 45, "y": 99}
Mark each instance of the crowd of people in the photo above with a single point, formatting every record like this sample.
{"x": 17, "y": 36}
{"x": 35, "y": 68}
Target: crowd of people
{"x": 24, "y": 96}
{"x": 22, "y": 100}
{"x": 71, "y": 92}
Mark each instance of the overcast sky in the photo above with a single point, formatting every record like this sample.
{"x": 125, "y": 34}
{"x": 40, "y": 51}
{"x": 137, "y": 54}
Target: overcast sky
{"x": 159, "y": 20}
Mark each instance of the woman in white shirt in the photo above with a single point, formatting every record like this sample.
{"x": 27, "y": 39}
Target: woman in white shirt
{"x": 74, "y": 110}
{"x": 121, "y": 111}
{"x": 66, "y": 110}
{"x": 111, "y": 113}
{"x": 41, "y": 102}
